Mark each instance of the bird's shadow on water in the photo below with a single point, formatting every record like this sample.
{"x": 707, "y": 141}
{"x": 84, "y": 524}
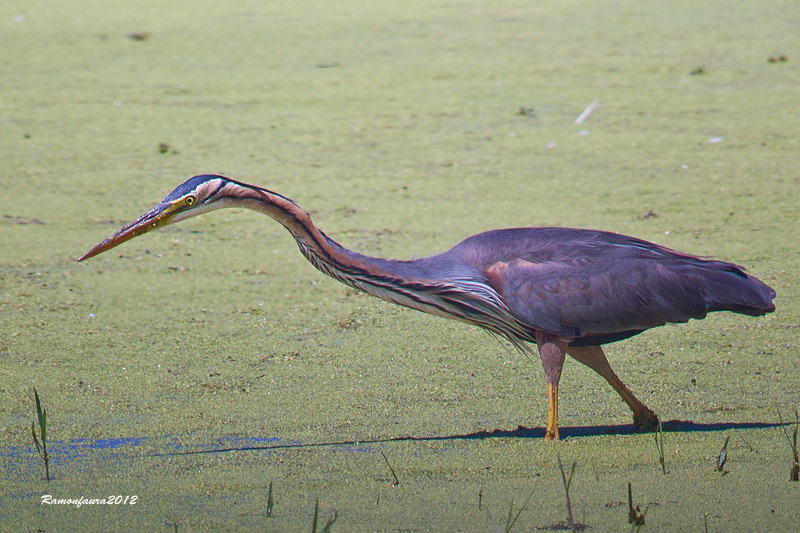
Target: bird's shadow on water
{"x": 671, "y": 426}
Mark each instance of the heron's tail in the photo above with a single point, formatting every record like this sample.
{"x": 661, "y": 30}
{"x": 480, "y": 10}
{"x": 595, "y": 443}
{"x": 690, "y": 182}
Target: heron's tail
{"x": 729, "y": 288}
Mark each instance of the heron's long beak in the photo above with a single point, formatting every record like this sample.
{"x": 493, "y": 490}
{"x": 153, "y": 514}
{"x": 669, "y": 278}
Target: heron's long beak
{"x": 160, "y": 215}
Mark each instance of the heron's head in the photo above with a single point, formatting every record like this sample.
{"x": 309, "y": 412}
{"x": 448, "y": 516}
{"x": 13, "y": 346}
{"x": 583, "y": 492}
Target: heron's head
{"x": 197, "y": 195}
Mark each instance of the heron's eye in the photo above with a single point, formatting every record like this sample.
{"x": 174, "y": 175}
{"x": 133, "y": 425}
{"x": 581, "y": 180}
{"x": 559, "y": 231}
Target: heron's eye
{"x": 189, "y": 200}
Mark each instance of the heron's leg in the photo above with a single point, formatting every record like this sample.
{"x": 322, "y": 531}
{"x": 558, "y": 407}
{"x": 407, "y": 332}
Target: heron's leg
{"x": 551, "y": 352}
{"x": 595, "y": 358}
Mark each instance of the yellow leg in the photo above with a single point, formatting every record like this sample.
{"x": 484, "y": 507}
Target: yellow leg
{"x": 551, "y": 352}
{"x": 552, "y": 412}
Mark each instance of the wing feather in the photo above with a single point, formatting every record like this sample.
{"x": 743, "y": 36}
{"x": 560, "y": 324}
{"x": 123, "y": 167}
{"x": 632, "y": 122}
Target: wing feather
{"x": 590, "y": 284}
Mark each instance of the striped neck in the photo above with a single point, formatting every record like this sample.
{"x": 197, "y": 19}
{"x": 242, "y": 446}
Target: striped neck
{"x": 434, "y": 285}
{"x": 324, "y": 253}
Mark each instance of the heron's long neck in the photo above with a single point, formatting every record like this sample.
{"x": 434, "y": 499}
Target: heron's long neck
{"x": 370, "y": 274}
{"x": 433, "y": 288}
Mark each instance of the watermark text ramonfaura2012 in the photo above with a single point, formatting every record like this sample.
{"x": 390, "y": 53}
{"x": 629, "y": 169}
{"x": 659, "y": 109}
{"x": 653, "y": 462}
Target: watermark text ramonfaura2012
{"x": 112, "y": 499}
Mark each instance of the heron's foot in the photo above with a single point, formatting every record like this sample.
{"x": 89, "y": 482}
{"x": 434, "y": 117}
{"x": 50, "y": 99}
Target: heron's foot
{"x": 646, "y": 422}
{"x": 551, "y": 434}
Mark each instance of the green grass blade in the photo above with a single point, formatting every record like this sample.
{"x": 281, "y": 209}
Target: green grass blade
{"x": 571, "y": 473}
{"x": 566, "y": 489}
{"x": 510, "y": 525}
{"x": 269, "y": 501}
{"x": 659, "y": 436}
{"x": 35, "y": 440}
{"x": 38, "y": 404}
{"x": 723, "y": 455}
{"x": 394, "y": 475}
{"x": 510, "y": 511}
{"x": 43, "y": 424}
{"x": 41, "y": 415}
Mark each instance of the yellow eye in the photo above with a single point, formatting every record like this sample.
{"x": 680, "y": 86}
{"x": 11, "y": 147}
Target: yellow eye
{"x": 189, "y": 200}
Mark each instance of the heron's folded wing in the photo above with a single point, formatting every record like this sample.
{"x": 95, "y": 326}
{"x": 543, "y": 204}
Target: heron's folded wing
{"x": 590, "y": 296}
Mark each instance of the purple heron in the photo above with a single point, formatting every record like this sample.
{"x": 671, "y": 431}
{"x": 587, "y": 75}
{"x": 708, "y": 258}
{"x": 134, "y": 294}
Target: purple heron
{"x": 567, "y": 291}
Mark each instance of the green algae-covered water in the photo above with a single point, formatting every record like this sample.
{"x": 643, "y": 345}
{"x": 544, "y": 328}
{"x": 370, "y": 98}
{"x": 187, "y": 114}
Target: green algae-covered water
{"x": 196, "y": 365}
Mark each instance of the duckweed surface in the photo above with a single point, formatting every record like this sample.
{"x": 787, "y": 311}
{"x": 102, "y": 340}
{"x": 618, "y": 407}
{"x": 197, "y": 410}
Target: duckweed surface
{"x": 195, "y": 365}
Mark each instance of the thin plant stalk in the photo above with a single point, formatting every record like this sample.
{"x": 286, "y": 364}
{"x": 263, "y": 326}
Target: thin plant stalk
{"x": 512, "y": 518}
{"x": 394, "y": 475}
{"x": 723, "y": 456}
{"x": 511, "y": 521}
{"x": 745, "y": 441}
{"x": 328, "y": 525}
{"x": 567, "y": 483}
{"x": 794, "y": 475}
{"x": 270, "y": 501}
{"x": 41, "y": 447}
{"x": 660, "y": 446}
